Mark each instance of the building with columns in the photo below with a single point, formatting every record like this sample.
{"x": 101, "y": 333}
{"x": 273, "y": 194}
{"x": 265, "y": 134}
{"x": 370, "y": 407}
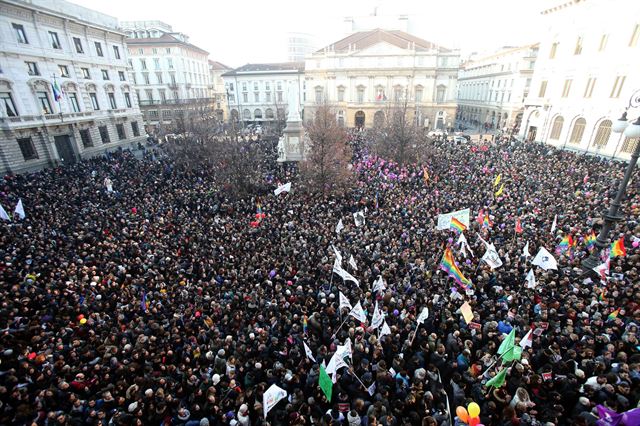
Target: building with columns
{"x": 585, "y": 74}
{"x": 366, "y": 72}
{"x": 492, "y": 88}
{"x": 258, "y": 93}
{"x": 171, "y": 76}
{"x": 64, "y": 85}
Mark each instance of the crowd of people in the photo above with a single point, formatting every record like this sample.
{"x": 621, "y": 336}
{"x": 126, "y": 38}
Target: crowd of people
{"x": 155, "y": 302}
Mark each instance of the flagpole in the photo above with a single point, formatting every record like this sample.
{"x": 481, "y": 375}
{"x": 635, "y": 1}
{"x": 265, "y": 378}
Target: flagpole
{"x": 341, "y": 324}
{"x": 58, "y": 100}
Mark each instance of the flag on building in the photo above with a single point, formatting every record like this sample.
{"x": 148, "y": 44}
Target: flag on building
{"x": 57, "y": 94}
{"x": 19, "y": 210}
{"x": 448, "y": 264}
{"x": 457, "y": 226}
{"x": 617, "y": 248}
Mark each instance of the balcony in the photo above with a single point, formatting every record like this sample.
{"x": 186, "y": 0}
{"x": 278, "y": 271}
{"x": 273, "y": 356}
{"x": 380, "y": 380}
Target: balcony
{"x": 30, "y": 120}
{"x": 152, "y": 102}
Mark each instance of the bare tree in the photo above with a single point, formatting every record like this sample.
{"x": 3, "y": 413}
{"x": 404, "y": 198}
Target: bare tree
{"x": 327, "y": 164}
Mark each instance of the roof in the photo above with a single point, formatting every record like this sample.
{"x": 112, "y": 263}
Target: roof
{"x": 364, "y": 39}
{"x": 218, "y": 65}
{"x": 266, "y": 68}
{"x": 164, "y": 39}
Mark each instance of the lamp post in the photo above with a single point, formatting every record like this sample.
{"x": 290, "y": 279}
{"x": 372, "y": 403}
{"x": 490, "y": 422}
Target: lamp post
{"x": 612, "y": 216}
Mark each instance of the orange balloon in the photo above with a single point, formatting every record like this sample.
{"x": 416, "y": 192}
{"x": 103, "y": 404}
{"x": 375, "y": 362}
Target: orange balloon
{"x": 462, "y": 414}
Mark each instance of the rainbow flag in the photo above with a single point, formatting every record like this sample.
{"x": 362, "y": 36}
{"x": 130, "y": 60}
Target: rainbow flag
{"x": 590, "y": 240}
{"x": 613, "y": 315}
{"x": 566, "y": 244}
{"x": 457, "y": 226}
{"x": 143, "y": 302}
{"x": 486, "y": 222}
{"x": 448, "y": 264}
{"x": 304, "y": 324}
{"x": 602, "y": 294}
{"x": 617, "y": 248}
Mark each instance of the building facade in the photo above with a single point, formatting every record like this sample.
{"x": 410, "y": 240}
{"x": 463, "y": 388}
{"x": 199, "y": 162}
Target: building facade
{"x": 492, "y": 88}
{"x": 366, "y": 72}
{"x": 299, "y": 45}
{"x": 171, "y": 76}
{"x": 258, "y": 93}
{"x": 64, "y": 85}
{"x": 217, "y": 90}
{"x": 585, "y": 74}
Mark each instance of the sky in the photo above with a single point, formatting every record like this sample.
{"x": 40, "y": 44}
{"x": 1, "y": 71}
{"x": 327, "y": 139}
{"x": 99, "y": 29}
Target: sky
{"x": 253, "y": 31}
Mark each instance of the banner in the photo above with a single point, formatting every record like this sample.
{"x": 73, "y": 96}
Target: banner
{"x": 271, "y": 397}
{"x": 444, "y": 220}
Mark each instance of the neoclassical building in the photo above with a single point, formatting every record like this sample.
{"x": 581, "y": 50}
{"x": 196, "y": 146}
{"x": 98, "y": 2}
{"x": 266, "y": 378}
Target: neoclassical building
{"x": 585, "y": 73}
{"x": 492, "y": 88}
{"x": 64, "y": 85}
{"x": 366, "y": 72}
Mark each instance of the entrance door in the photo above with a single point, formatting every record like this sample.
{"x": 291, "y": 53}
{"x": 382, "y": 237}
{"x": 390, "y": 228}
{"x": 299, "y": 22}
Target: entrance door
{"x": 532, "y": 133}
{"x": 65, "y": 151}
{"x": 360, "y": 119}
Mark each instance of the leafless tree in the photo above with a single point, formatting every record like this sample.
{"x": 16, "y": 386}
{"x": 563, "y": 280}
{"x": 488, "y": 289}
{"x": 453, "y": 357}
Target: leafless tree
{"x": 327, "y": 164}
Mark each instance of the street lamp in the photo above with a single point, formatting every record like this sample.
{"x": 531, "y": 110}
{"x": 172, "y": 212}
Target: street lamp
{"x": 631, "y": 131}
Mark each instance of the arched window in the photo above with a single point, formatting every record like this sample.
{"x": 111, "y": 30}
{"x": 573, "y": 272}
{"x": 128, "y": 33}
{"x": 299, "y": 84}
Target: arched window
{"x": 268, "y": 114}
{"x": 418, "y": 93}
{"x": 557, "y": 128}
{"x": 578, "y": 131}
{"x": 246, "y": 114}
{"x": 360, "y": 97}
{"x": 318, "y": 91}
{"x": 257, "y": 114}
{"x": 629, "y": 145}
{"x": 603, "y": 133}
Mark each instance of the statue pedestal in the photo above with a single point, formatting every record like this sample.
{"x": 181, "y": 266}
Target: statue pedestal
{"x": 291, "y": 146}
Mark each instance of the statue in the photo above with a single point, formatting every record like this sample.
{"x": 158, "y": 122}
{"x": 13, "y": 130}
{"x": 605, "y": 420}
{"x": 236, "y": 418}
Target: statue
{"x": 293, "y": 102}
{"x": 282, "y": 156}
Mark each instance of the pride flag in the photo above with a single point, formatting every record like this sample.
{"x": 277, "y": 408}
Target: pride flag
{"x": 613, "y": 315}
{"x": 486, "y": 222}
{"x": 590, "y": 240}
{"x": 448, "y": 264}
{"x": 566, "y": 244}
{"x": 617, "y": 248}
{"x": 304, "y": 324}
{"x": 457, "y": 226}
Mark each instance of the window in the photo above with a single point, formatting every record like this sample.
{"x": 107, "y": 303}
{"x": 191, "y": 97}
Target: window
{"x": 73, "y": 100}
{"x": 112, "y": 100}
{"x": 256, "y": 96}
{"x": 116, "y": 52}
{"x": 28, "y": 149}
{"x": 122, "y": 76}
{"x": 20, "y": 34}
{"x": 397, "y": 94}
{"x": 159, "y": 77}
{"x": 629, "y": 145}
{"x": 143, "y": 64}
{"x": 149, "y": 94}
{"x": 267, "y": 86}
{"x": 440, "y": 94}
{"x": 170, "y": 63}
{"x": 279, "y": 96}
{"x": 43, "y": 100}
{"x": 603, "y": 133}
{"x": 244, "y": 87}
{"x": 104, "y": 134}
{"x": 64, "y": 70}
{"x": 173, "y": 78}
{"x": 578, "y": 131}
{"x": 140, "y": 51}
{"x": 634, "y": 36}
{"x": 105, "y": 75}
{"x": 120, "y": 129}
{"x": 32, "y": 68}
{"x": 145, "y": 76}
{"x": 603, "y": 42}
{"x": 279, "y": 85}
{"x": 94, "y": 101}
{"x": 588, "y": 91}
{"x": 9, "y": 106}
{"x": 153, "y": 115}
{"x": 78, "y": 44}
{"x": 257, "y": 114}
{"x": 127, "y": 99}
{"x": 557, "y": 128}
{"x": 245, "y": 97}
{"x": 135, "y": 129}
{"x": 231, "y": 87}
{"x": 168, "y": 50}
{"x": 85, "y": 73}
{"x": 267, "y": 97}
{"x": 154, "y": 51}
{"x": 85, "y": 137}
{"x": 166, "y": 114}
{"x": 156, "y": 63}
{"x": 340, "y": 94}
{"x": 55, "y": 41}
{"x": 567, "y": 88}
{"x": 578, "y": 49}
{"x": 268, "y": 114}
{"x": 98, "y": 48}
{"x": 232, "y": 98}
{"x": 418, "y": 94}
{"x": 543, "y": 89}
{"x": 617, "y": 86}
{"x": 360, "y": 94}
{"x": 554, "y": 49}
{"x": 163, "y": 95}
{"x": 246, "y": 114}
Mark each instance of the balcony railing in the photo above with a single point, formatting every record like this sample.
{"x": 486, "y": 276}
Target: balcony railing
{"x": 58, "y": 118}
{"x": 152, "y": 102}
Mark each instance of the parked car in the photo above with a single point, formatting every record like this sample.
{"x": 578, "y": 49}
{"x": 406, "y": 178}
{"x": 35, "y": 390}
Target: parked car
{"x": 438, "y": 133}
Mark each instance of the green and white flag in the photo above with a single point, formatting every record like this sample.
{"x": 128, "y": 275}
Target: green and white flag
{"x": 325, "y": 383}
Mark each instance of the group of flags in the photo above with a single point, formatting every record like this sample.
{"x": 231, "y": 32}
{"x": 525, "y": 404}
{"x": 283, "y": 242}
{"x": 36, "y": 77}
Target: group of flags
{"x": 18, "y": 211}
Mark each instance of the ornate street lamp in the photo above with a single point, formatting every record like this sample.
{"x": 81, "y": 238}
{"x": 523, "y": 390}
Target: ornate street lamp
{"x": 612, "y": 216}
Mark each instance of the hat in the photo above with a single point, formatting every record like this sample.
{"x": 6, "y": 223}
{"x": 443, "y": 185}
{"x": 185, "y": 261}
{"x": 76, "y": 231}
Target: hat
{"x": 221, "y": 352}
{"x": 243, "y": 408}
{"x": 215, "y": 379}
{"x": 209, "y": 355}
{"x": 133, "y": 407}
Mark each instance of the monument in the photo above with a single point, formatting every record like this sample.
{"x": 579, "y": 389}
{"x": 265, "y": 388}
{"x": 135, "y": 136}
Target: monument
{"x": 291, "y": 146}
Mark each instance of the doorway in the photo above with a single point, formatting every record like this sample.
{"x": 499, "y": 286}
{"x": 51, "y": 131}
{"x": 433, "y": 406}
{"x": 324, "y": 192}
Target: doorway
{"x": 531, "y": 136}
{"x": 65, "y": 151}
{"x": 360, "y": 119}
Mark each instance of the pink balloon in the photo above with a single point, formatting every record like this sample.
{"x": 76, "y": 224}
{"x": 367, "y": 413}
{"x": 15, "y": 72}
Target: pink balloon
{"x": 635, "y": 244}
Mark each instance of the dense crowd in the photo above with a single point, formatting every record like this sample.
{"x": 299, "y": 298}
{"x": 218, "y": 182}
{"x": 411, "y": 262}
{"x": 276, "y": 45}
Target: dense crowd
{"x": 158, "y": 302}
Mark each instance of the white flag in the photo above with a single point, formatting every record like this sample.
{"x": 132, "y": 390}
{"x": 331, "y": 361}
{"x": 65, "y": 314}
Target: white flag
{"x": 525, "y": 250}
{"x": 352, "y": 262}
{"x": 385, "y": 329}
{"x": 344, "y": 274}
{"x": 464, "y": 245}
{"x": 271, "y": 397}
{"x": 283, "y": 188}
{"x": 372, "y": 389}
{"x": 337, "y": 253}
{"x": 379, "y": 284}
{"x": 378, "y": 317}
{"x": 531, "y": 279}
{"x": 359, "y": 218}
{"x": 554, "y": 224}
{"x": 358, "y": 313}
{"x": 307, "y": 351}
{"x": 545, "y": 260}
{"x": 339, "y": 226}
{"x": 527, "y": 340}
{"x": 4, "y": 215}
{"x": 486, "y": 244}
{"x": 20, "y": 209}
{"x": 492, "y": 257}
{"x": 345, "y": 350}
{"x": 603, "y": 270}
{"x": 344, "y": 302}
{"x": 423, "y": 315}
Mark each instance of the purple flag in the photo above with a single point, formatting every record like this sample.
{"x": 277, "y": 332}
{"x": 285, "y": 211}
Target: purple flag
{"x": 631, "y": 417}
{"x": 608, "y": 417}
